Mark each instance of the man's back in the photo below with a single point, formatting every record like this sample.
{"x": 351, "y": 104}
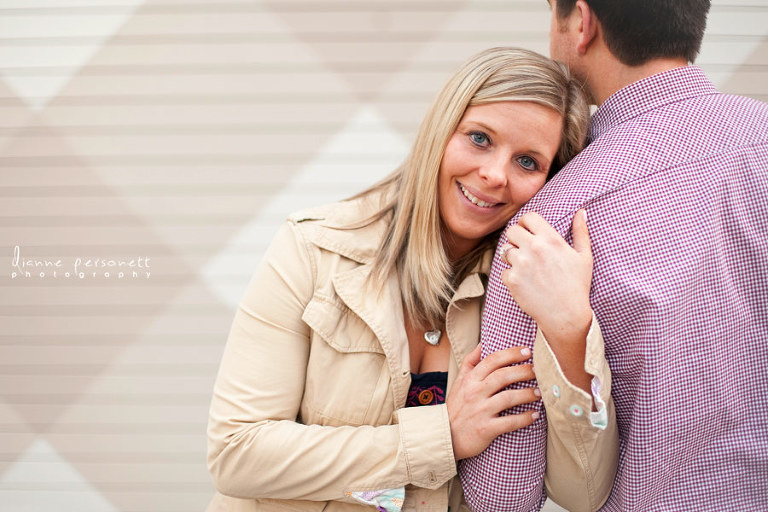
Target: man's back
{"x": 676, "y": 188}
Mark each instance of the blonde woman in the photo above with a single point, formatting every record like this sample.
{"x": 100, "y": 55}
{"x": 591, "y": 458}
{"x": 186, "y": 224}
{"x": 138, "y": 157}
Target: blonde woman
{"x": 331, "y": 394}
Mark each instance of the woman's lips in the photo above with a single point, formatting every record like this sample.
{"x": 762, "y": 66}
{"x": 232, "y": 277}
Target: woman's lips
{"x": 474, "y": 199}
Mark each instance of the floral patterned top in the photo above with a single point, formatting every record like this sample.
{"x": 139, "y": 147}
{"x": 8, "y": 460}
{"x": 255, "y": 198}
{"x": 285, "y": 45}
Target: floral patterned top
{"x": 427, "y": 389}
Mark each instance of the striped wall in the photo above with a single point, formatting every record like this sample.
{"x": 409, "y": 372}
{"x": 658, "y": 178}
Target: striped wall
{"x": 148, "y": 151}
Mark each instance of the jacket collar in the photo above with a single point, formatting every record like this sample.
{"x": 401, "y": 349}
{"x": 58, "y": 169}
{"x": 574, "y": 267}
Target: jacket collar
{"x": 464, "y": 335}
{"x": 473, "y": 286}
{"x": 343, "y": 228}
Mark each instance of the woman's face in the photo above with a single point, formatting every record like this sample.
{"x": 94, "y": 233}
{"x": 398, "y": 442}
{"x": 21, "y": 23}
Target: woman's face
{"x": 496, "y": 160}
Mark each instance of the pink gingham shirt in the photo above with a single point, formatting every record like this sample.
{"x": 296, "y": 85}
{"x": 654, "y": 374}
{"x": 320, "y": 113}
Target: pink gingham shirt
{"x": 675, "y": 183}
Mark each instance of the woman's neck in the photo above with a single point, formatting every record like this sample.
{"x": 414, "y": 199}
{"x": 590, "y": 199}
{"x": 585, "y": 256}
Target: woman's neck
{"x": 455, "y": 250}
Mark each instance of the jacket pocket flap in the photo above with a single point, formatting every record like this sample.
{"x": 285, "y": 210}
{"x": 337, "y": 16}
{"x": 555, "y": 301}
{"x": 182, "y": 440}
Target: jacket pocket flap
{"x": 340, "y": 327}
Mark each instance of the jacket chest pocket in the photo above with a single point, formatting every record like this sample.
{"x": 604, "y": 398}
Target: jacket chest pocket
{"x": 347, "y": 381}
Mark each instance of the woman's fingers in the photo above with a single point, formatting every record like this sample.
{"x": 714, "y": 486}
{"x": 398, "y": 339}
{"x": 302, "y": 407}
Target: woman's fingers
{"x": 470, "y": 361}
{"x": 535, "y": 224}
{"x": 528, "y": 228}
{"x": 479, "y": 396}
{"x": 504, "y": 377}
{"x": 581, "y": 242}
{"x": 500, "y": 359}
{"x": 518, "y": 236}
{"x": 510, "y": 398}
{"x": 503, "y": 424}
{"x": 512, "y": 422}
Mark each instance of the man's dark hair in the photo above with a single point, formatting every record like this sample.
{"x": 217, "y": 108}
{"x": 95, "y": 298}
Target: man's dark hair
{"x": 637, "y": 31}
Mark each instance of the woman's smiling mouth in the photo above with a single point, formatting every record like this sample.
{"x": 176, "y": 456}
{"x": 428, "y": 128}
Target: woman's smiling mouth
{"x": 475, "y": 200}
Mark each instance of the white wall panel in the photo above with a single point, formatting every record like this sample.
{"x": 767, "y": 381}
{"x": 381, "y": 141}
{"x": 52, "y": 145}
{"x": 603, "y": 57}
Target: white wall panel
{"x": 184, "y": 132}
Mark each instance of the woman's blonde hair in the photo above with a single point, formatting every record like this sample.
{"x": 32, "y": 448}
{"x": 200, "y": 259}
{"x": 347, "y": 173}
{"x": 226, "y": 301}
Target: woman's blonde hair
{"x": 413, "y": 246}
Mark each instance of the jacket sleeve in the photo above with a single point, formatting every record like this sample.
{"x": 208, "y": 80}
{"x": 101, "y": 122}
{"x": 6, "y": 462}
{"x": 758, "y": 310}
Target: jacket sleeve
{"x": 582, "y": 446}
{"x": 256, "y": 446}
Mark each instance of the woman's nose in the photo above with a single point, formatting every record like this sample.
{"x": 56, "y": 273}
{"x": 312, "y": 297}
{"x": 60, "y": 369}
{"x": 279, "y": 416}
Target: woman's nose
{"x": 494, "y": 172}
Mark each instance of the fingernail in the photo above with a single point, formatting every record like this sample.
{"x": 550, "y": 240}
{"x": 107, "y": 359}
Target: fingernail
{"x": 584, "y": 215}
{"x": 537, "y": 391}
{"x": 533, "y": 370}
{"x": 535, "y": 415}
{"x": 526, "y": 352}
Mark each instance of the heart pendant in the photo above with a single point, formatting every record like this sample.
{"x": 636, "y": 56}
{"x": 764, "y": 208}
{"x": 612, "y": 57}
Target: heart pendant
{"x": 433, "y": 337}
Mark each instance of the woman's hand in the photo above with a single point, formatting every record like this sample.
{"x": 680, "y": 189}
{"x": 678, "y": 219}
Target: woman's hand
{"x": 478, "y": 397}
{"x": 550, "y": 281}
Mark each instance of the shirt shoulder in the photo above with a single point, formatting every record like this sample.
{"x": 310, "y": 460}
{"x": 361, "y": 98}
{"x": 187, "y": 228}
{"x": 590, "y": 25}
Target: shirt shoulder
{"x": 693, "y": 136}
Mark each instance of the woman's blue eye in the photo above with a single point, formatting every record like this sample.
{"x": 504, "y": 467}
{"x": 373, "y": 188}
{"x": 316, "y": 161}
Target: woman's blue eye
{"x": 527, "y": 163}
{"x": 479, "y": 138}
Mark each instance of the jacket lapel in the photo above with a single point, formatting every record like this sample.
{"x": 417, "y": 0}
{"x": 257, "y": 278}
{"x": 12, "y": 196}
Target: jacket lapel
{"x": 462, "y": 321}
{"x": 383, "y": 313}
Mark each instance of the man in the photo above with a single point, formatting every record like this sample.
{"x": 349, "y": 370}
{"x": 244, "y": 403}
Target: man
{"x": 675, "y": 184}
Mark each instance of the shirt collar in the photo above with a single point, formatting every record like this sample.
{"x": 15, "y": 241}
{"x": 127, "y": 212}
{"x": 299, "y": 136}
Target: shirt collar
{"x": 648, "y": 94}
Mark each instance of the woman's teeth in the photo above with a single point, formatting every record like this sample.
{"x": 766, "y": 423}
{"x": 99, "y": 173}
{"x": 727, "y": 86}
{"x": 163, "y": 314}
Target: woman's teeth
{"x": 474, "y": 200}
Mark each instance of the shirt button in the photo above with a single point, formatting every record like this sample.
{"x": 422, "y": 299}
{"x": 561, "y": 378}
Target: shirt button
{"x": 576, "y": 410}
{"x": 556, "y": 391}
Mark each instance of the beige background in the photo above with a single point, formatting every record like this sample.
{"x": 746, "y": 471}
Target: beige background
{"x": 178, "y": 134}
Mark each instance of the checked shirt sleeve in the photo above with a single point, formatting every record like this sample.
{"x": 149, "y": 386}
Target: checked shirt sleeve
{"x": 514, "y": 474}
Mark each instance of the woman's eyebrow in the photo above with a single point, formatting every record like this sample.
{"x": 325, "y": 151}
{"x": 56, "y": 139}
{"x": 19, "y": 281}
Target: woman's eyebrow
{"x": 481, "y": 125}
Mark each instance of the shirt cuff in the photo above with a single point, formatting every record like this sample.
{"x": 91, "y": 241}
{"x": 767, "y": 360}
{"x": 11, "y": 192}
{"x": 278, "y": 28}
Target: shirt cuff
{"x": 425, "y": 435}
{"x": 564, "y": 401}
{"x": 387, "y": 500}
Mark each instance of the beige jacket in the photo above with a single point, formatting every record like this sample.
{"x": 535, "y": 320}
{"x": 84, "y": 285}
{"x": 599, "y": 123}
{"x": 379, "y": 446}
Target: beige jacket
{"x": 308, "y": 403}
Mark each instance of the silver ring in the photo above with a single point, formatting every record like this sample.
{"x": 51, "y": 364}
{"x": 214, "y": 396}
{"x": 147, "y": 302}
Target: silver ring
{"x": 506, "y": 253}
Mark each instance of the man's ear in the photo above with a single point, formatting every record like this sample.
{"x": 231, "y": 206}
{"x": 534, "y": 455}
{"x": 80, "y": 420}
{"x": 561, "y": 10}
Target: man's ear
{"x": 587, "y": 25}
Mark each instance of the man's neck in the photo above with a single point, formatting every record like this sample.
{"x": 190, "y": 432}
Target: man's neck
{"x": 611, "y": 75}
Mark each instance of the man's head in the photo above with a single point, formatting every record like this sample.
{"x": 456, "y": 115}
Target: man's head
{"x": 637, "y": 31}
